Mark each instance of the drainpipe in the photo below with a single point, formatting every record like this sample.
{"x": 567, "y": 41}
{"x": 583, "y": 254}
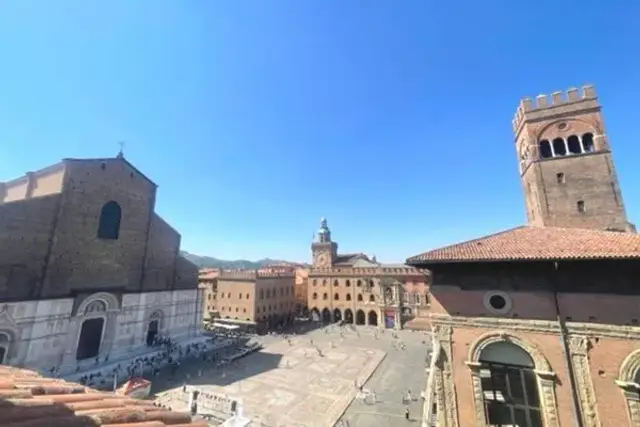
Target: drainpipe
{"x": 577, "y": 413}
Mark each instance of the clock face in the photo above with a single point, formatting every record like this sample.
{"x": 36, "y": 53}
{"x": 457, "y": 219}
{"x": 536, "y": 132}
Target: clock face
{"x": 322, "y": 260}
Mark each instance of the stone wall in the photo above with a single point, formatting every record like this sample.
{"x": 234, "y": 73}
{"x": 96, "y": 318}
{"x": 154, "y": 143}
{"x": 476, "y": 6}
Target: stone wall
{"x": 45, "y": 333}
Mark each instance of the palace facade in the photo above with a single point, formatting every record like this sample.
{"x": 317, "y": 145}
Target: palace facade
{"x": 540, "y": 325}
{"x": 88, "y": 269}
{"x": 357, "y": 289}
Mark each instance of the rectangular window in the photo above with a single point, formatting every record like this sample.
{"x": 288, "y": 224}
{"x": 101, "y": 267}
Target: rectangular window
{"x": 581, "y": 207}
{"x": 560, "y": 178}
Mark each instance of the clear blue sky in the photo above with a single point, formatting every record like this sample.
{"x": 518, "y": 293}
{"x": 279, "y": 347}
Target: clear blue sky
{"x": 257, "y": 117}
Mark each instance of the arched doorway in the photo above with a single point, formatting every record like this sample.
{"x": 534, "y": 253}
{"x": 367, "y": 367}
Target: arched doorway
{"x": 91, "y": 331}
{"x": 348, "y": 315}
{"x": 315, "y": 315}
{"x": 508, "y": 364}
{"x": 372, "y": 318}
{"x": 153, "y": 327}
{"x": 360, "y": 317}
{"x": 326, "y": 315}
{"x": 4, "y": 348}
{"x": 337, "y": 315}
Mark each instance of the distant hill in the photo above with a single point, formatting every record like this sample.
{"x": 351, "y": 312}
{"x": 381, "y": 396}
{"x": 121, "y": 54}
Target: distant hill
{"x": 238, "y": 264}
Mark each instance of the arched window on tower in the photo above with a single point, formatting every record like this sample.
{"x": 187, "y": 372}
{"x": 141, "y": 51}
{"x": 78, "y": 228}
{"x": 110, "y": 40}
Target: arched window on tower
{"x": 509, "y": 386}
{"x": 574, "y": 145}
{"x": 587, "y": 142}
{"x": 109, "y": 225}
{"x": 545, "y": 149}
{"x": 559, "y": 148}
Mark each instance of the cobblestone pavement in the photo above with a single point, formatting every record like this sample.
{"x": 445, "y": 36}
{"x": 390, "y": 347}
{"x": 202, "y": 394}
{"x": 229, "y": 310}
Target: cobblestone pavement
{"x": 401, "y": 372}
{"x": 295, "y": 385}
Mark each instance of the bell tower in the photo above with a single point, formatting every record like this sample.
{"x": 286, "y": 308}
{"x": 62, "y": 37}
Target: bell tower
{"x": 566, "y": 166}
{"x": 323, "y": 249}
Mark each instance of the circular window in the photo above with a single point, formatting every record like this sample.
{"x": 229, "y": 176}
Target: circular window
{"x": 562, "y": 126}
{"x": 497, "y": 302}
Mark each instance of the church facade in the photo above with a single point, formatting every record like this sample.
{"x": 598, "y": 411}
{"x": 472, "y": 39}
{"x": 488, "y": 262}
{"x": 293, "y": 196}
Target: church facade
{"x": 88, "y": 270}
{"x": 356, "y": 289}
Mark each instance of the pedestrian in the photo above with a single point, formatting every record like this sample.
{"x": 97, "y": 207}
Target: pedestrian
{"x": 409, "y": 395}
{"x": 406, "y": 413}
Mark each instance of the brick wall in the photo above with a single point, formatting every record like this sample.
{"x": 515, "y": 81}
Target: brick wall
{"x": 79, "y": 260}
{"x": 25, "y": 233}
{"x": 163, "y": 245}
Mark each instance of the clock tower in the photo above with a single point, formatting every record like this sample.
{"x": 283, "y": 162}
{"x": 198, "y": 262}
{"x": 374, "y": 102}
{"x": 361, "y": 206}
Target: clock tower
{"x": 323, "y": 249}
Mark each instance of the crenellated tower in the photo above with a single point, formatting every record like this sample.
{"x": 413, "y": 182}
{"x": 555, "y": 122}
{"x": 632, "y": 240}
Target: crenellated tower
{"x": 323, "y": 248}
{"x": 566, "y": 167}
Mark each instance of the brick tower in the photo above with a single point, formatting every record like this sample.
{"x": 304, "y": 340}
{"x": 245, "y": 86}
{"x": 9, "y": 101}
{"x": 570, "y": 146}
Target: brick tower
{"x": 566, "y": 168}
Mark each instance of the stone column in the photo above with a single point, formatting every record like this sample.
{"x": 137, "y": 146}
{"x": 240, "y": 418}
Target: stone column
{"x": 579, "y": 348}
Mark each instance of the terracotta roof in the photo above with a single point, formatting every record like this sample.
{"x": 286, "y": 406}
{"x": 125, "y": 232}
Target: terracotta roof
{"x": 30, "y": 400}
{"x": 528, "y": 243}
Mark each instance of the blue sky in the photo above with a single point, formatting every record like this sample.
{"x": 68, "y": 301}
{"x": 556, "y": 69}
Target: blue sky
{"x": 257, "y": 117}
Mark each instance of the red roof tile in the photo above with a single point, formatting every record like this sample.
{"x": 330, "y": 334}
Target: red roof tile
{"x": 30, "y": 400}
{"x": 528, "y": 243}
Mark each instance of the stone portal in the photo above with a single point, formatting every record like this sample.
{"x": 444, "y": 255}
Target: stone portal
{"x": 152, "y": 332}
{"x": 90, "y": 338}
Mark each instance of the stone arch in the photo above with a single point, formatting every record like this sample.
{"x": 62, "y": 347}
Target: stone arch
{"x": 326, "y": 315}
{"x": 155, "y": 324}
{"x": 361, "y": 318}
{"x": 109, "y": 299}
{"x": 483, "y": 341}
{"x": 545, "y": 377}
{"x": 628, "y": 382}
{"x": 348, "y": 316}
{"x": 337, "y": 315}
{"x": 94, "y": 324}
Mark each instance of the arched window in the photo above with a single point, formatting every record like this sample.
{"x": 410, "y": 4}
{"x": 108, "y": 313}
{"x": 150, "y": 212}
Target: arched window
{"x": 372, "y": 298}
{"x": 509, "y": 386}
{"x": 348, "y": 297}
{"x": 335, "y": 283}
{"x": 325, "y": 296}
{"x": 574, "y": 145}
{"x": 559, "y": 148}
{"x": 324, "y": 282}
{"x": 109, "y": 225}
{"x": 359, "y": 283}
{"x": 314, "y": 296}
{"x": 545, "y": 149}
{"x": 359, "y": 297}
{"x": 348, "y": 283}
{"x": 587, "y": 143}
{"x": 336, "y": 297}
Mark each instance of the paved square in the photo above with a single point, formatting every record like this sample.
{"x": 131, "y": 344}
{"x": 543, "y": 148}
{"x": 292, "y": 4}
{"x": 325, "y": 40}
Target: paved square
{"x": 310, "y": 385}
{"x": 294, "y": 386}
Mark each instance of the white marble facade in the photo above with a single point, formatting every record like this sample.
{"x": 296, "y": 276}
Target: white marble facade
{"x": 45, "y": 334}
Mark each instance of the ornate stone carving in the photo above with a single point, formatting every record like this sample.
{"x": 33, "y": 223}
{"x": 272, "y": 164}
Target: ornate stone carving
{"x": 630, "y": 388}
{"x": 545, "y": 376}
{"x": 446, "y": 400}
{"x": 579, "y": 349}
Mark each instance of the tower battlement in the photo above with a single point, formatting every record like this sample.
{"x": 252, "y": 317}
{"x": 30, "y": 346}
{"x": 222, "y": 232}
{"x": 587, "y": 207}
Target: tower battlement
{"x": 573, "y": 98}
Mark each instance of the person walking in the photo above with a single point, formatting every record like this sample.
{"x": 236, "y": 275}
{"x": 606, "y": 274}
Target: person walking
{"x": 406, "y": 413}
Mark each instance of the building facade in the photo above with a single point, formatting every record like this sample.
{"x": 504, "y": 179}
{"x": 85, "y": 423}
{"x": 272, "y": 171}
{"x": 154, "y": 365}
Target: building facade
{"x": 208, "y": 283}
{"x": 540, "y": 325}
{"x": 264, "y": 298}
{"x": 87, "y": 268}
{"x": 357, "y": 289}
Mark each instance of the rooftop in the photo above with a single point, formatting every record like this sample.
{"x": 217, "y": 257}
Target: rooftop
{"x": 29, "y": 400}
{"x": 529, "y": 243}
